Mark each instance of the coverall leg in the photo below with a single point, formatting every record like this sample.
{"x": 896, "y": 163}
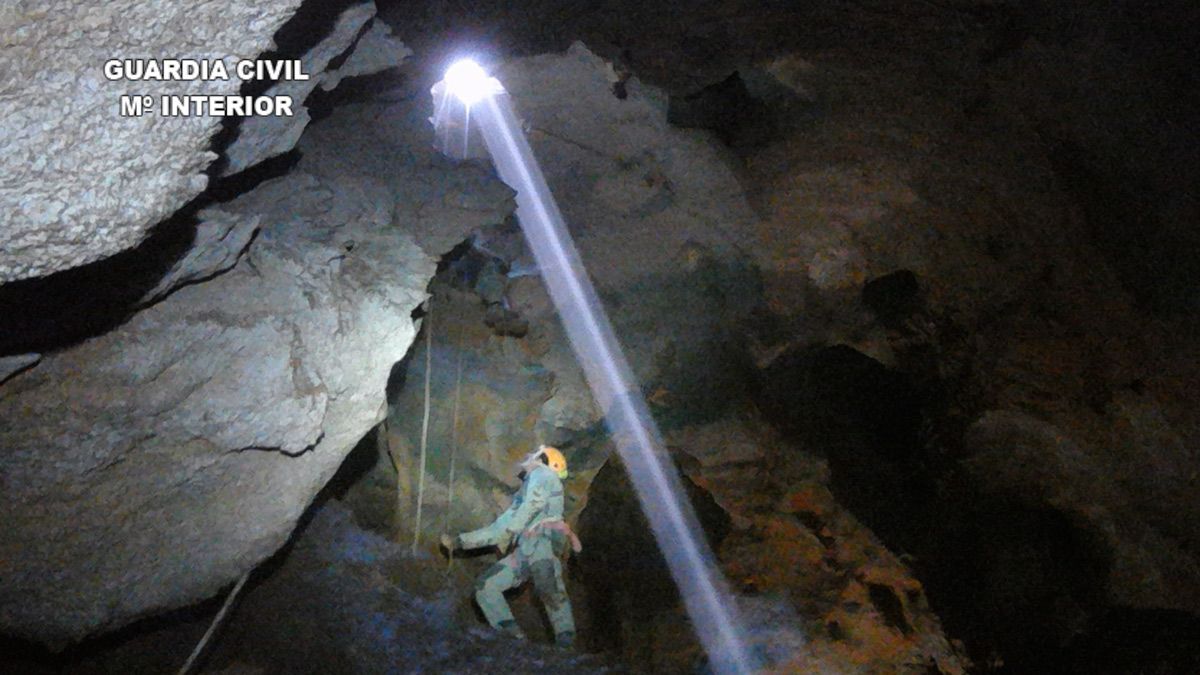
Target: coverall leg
{"x": 548, "y": 581}
{"x": 489, "y": 593}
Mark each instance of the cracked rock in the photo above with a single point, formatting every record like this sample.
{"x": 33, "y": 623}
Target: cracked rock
{"x": 79, "y": 181}
{"x": 183, "y": 446}
{"x": 260, "y": 138}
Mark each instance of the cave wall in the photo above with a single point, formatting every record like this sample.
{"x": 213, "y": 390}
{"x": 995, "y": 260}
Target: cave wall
{"x": 1027, "y": 165}
{"x": 149, "y": 465}
{"x": 1051, "y": 362}
{"x": 81, "y": 181}
{"x": 656, "y": 214}
{"x": 666, "y": 231}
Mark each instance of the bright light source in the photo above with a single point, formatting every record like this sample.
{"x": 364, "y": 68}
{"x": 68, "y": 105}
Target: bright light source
{"x": 672, "y": 519}
{"x": 468, "y": 81}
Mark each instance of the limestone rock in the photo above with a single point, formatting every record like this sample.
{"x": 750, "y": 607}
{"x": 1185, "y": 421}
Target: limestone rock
{"x": 74, "y": 192}
{"x": 78, "y": 181}
{"x": 260, "y": 138}
{"x": 148, "y": 467}
{"x": 219, "y": 241}
{"x": 182, "y": 447}
{"x": 376, "y": 51}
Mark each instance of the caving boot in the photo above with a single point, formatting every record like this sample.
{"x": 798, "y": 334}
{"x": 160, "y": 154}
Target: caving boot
{"x": 512, "y": 629}
{"x": 565, "y": 639}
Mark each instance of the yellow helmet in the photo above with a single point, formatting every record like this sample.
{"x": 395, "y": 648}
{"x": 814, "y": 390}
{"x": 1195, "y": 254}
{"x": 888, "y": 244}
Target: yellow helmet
{"x": 553, "y": 458}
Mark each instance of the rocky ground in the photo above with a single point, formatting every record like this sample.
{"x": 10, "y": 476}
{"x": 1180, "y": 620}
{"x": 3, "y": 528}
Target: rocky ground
{"x": 336, "y": 599}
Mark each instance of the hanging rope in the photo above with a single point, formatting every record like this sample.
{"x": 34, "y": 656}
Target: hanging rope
{"x": 454, "y": 441}
{"x": 425, "y": 421}
{"x": 216, "y": 623}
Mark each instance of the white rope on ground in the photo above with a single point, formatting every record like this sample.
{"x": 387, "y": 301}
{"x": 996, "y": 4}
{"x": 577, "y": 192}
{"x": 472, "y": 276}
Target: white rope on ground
{"x": 428, "y": 321}
{"x": 216, "y": 623}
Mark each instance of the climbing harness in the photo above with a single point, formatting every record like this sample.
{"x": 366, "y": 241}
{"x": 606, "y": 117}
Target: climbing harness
{"x": 557, "y": 526}
{"x": 515, "y": 559}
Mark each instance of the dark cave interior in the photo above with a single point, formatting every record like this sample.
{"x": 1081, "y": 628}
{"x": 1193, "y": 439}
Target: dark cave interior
{"x": 910, "y": 289}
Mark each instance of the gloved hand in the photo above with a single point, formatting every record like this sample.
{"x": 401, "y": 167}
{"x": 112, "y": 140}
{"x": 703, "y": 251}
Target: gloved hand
{"x": 449, "y": 543}
{"x": 504, "y": 541}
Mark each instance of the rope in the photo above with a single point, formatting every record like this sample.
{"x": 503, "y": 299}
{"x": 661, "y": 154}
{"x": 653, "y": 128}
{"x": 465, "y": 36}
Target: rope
{"x": 454, "y": 442}
{"x": 424, "y": 422}
{"x": 216, "y": 622}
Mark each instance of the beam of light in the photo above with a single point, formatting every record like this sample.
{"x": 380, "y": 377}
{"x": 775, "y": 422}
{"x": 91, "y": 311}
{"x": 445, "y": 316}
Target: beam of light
{"x": 672, "y": 519}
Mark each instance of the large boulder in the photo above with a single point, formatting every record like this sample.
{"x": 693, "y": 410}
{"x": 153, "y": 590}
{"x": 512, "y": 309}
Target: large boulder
{"x": 147, "y": 467}
{"x": 1133, "y": 498}
{"x": 80, "y": 181}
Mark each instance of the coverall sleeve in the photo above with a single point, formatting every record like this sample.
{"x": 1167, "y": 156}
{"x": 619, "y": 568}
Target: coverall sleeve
{"x": 537, "y": 493}
{"x": 491, "y": 534}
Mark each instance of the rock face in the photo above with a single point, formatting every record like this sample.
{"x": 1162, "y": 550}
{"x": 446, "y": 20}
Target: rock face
{"x": 662, "y": 224}
{"x": 341, "y": 600}
{"x": 183, "y": 446}
{"x": 987, "y": 392}
{"x": 1135, "y": 517}
{"x": 260, "y": 138}
{"x": 11, "y": 365}
{"x": 81, "y": 182}
{"x": 145, "y": 468}
{"x": 74, "y": 190}
{"x": 219, "y": 242}
{"x": 651, "y": 208}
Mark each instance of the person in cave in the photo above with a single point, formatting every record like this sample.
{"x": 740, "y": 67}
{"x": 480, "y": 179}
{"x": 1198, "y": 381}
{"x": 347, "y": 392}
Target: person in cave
{"x": 534, "y": 529}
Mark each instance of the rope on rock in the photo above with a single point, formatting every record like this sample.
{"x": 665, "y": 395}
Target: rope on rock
{"x": 386, "y": 440}
{"x": 454, "y": 442}
{"x": 216, "y": 623}
{"x": 428, "y": 321}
